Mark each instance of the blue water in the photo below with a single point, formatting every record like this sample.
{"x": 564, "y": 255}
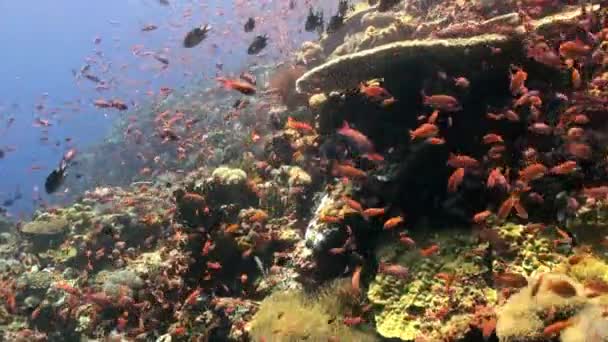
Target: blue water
{"x": 44, "y": 41}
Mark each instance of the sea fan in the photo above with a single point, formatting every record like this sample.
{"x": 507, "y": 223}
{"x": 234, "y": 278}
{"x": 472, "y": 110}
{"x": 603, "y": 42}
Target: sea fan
{"x": 283, "y": 83}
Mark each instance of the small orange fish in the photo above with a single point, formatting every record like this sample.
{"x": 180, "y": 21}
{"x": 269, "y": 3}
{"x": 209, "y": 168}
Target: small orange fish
{"x": 564, "y": 168}
{"x": 374, "y": 91}
{"x": 351, "y": 203}
{"x": 329, "y": 219}
{"x": 373, "y": 212}
{"x": 496, "y": 178}
{"x": 540, "y": 128}
{"x": 376, "y": 157}
{"x": 192, "y": 297}
{"x": 510, "y": 279}
{"x": 556, "y": 327}
{"x": 435, "y": 141}
{"x": 579, "y": 150}
{"x": 360, "y": 139}
{"x": 433, "y": 117}
{"x": 576, "y": 79}
{"x": 481, "y": 216}
{"x": 394, "y": 270}
{"x": 298, "y": 125}
{"x": 355, "y": 281}
{"x": 455, "y": 179}
{"x": 581, "y": 119}
{"x": 533, "y": 172}
{"x": 442, "y": 102}
{"x": 393, "y": 222}
{"x": 344, "y": 170}
{"x": 517, "y": 82}
{"x": 575, "y": 133}
{"x": 511, "y": 116}
{"x": 426, "y": 130}
{"x": 431, "y": 250}
{"x": 492, "y": 138}
{"x": 406, "y": 240}
{"x": 461, "y": 160}
{"x": 573, "y": 49}
{"x": 240, "y": 86}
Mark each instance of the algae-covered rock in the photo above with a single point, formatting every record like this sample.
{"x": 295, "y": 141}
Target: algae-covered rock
{"x": 46, "y": 225}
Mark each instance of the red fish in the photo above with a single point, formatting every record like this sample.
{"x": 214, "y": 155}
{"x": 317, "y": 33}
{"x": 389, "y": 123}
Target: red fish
{"x": 455, "y": 179}
{"x": 496, "y": 178}
{"x": 564, "y": 168}
{"x": 517, "y": 82}
{"x": 533, "y": 172}
{"x": 442, "y": 102}
{"x": 461, "y": 160}
{"x": 357, "y": 137}
{"x": 394, "y": 270}
{"x": 393, "y": 222}
{"x": 481, "y": 217}
{"x": 374, "y": 91}
{"x": 344, "y": 170}
{"x": 373, "y": 212}
{"x": 431, "y": 250}
{"x": 573, "y": 49}
{"x": 425, "y": 130}
{"x": 240, "y": 86}
{"x": 579, "y": 150}
{"x": 492, "y": 138}
{"x": 298, "y": 125}
{"x": 540, "y": 128}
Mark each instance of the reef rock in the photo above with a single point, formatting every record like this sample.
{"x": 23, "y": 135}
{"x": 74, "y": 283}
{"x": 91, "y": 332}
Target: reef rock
{"x": 46, "y": 225}
{"x": 346, "y": 71}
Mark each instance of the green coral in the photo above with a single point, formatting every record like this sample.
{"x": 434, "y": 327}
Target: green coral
{"x": 229, "y": 176}
{"x": 525, "y": 315}
{"x": 422, "y": 306}
{"x": 293, "y": 316}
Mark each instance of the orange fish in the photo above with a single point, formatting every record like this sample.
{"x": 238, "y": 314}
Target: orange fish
{"x": 482, "y": 216}
{"x": 462, "y": 82}
{"x": 455, "y": 179}
{"x": 344, "y": 170}
{"x": 329, "y": 219}
{"x": 394, "y": 270}
{"x": 435, "y": 141}
{"x": 373, "y": 212}
{"x": 374, "y": 91}
{"x": 442, "y": 102}
{"x": 575, "y": 133}
{"x": 581, "y": 119}
{"x": 573, "y": 49}
{"x": 540, "y": 128}
{"x": 564, "y": 168}
{"x": 576, "y": 79}
{"x": 373, "y": 157}
{"x": 425, "y": 130}
{"x": 511, "y": 116}
{"x": 356, "y": 280}
{"x": 240, "y": 86}
{"x": 298, "y": 125}
{"x": 433, "y": 117}
{"x": 496, "y": 178}
{"x": 510, "y": 279}
{"x": 492, "y": 138}
{"x": 533, "y": 172}
{"x": 393, "y": 222}
{"x": 351, "y": 203}
{"x": 556, "y": 327}
{"x": 461, "y": 160}
{"x": 357, "y": 137}
{"x": 406, "y": 240}
{"x": 579, "y": 150}
{"x": 517, "y": 82}
{"x": 431, "y": 250}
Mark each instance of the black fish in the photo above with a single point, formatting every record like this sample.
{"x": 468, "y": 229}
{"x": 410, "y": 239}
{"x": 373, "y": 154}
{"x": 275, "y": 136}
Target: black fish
{"x": 55, "y": 178}
{"x": 163, "y": 2}
{"x": 92, "y": 78}
{"x": 249, "y": 25}
{"x": 196, "y": 36}
{"x": 161, "y": 59}
{"x": 335, "y": 22}
{"x": 259, "y": 43}
{"x": 342, "y": 8}
{"x": 2, "y": 154}
{"x": 314, "y": 21}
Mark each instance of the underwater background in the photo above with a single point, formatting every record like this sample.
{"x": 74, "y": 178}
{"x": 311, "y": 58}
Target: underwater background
{"x": 300, "y": 170}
